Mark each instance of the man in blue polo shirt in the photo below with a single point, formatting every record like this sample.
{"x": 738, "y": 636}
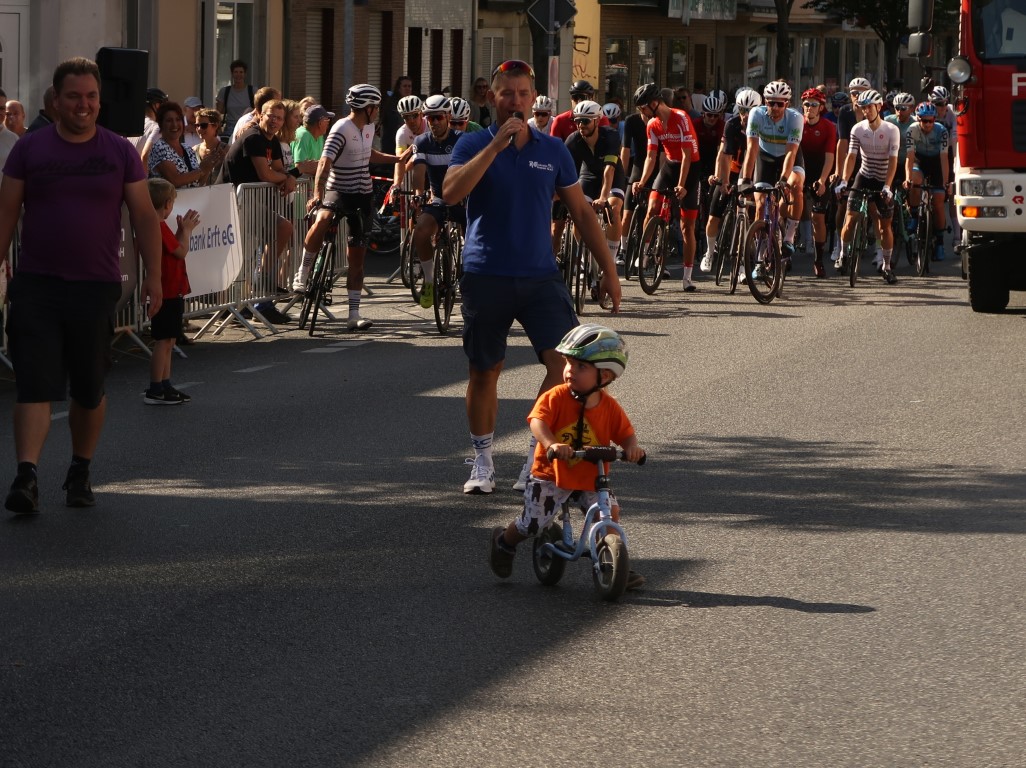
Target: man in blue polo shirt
{"x": 508, "y": 174}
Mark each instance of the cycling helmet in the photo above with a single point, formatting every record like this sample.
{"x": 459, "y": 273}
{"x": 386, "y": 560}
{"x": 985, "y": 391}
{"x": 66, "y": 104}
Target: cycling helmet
{"x": 777, "y": 89}
{"x": 409, "y": 104}
{"x": 926, "y": 109}
{"x": 598, "y": 345}
{"x": 543, "y": 104}
{"x": 646, "y": 94}
{"x": 714, "y": 102}
{"x": 939, "y": 93}
{"x": 748, "y": 99}
{"x": 155, "y": 96}
{"x": 866, "y": 98}
{"x": 581, "y": 89}
{"x": 859, "y": 84}
{"x": 904, "y": 100}
{"x": 839, "y": 99}
{"x": 438, "y": 103}
{"x": 362, "y": 96}
{"x": 814, "y": 94}
{"x": 460, "y": 108}
{"x": 889, "y": 97}
{"x": 588, "y": 109}
{"x": 611, "y": 111}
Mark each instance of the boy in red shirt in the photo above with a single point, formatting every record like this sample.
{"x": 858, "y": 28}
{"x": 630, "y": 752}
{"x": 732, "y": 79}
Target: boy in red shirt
{"x": 166, "y": 325}
{"x": 573, "y": 415}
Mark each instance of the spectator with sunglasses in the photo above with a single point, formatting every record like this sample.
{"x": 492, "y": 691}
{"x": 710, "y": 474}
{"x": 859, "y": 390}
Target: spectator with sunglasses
{"x": 508, "y": 174}
{"x": 482, "y": 111}
{"x": 208, "y": 122}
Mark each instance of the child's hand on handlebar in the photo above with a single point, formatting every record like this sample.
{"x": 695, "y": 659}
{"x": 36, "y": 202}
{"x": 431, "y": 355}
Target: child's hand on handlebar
{"x": 634, "y": 454}
{"x": 559, "y": 451}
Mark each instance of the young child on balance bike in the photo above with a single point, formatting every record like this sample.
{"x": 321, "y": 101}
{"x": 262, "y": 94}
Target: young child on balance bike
{"x": 573, "y": 415}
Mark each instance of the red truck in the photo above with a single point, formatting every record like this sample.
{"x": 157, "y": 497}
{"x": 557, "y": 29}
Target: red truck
{"x": 988, "y": 79}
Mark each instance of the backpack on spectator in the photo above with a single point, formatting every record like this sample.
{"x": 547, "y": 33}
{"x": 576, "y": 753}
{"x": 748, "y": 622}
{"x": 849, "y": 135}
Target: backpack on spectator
{"x": 222, "y": 97}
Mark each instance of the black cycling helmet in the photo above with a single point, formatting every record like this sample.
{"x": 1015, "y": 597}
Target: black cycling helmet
{"x": 646, "y": 94}
{"x": 156, "y": 96}
{"x": 582, "y": 88}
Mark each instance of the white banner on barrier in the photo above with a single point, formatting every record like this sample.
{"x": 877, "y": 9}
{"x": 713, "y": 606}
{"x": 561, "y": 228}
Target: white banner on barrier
{"x": 215, "y": 253}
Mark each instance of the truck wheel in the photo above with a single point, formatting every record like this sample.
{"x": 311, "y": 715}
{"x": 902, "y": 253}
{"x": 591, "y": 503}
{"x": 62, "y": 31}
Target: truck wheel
{"x": 988, "y": 282}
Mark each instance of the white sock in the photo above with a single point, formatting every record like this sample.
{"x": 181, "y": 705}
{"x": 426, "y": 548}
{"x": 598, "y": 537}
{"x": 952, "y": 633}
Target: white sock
{"x": 711, "y": 250}
{"x": 483, "y": 448}
{"x": 687, "y": 273}
{"x": 354, "y": 303}
{"x": 623, "y": 242}
{"x": 613, "y": 246}
{"x": 428, "y": 267}
{"x": 887, "y": 257}
{"x": 308, "y": 260}
{"x": 789, "y": 229}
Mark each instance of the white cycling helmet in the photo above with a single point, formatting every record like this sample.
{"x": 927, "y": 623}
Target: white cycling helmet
{"x": 904, "y": 100}
{"x": 409, "y": 105}
{"x": 586, "y": 108}
{"x": 544, "y": 104}
{"x": 748, "y": 98}
{"x": 437, "y": 103}
{"x": 859, "y": 84}
{"x": 715, "y": 102}
{"x": 611, "y": 111}
{"x": 866, "y": 98}
{"x": 939, "y": 93}
{"x": 777, "y": 89}
{"x": 362, "y": 96}
{"x": 460, "y": 108}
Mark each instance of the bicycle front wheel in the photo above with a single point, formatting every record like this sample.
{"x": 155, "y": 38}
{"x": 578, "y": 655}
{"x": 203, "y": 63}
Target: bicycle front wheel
{"x": 723, "y": 238}
{"x": 737, "y": 250}
{"x": 581, "y": 263}
{"x": 924, "y": 238}
{"x": 320, "y": 285}
{"x": 612, "y": 568}
{"x": 858, "y": 245}
{"x": 445, "y": 284}
{"x": 763, "y": 266}
{"x": 630, "y": 268}
{"x": 405, "y": 255}
{"x": 652, "y": 255}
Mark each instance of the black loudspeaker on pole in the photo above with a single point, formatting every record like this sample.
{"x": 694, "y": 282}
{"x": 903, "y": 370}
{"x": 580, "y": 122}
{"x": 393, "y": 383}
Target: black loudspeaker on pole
{"x": 122, "y": 89}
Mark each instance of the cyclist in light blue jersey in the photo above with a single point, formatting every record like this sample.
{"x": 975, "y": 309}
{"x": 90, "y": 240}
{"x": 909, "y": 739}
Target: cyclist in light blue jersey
{"x": 926, "y": 144}
{"x": 774, "y": 152}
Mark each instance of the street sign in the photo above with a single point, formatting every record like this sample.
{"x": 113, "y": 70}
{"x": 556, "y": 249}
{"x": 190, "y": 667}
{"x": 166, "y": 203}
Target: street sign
{"x": 563, "y": 12}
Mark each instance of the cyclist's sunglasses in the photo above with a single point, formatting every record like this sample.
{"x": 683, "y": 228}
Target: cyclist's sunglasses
{"x": 457, "y": 123}
{"x": 436, "y": 117}
{"x": 810, "y": 104}
{"x": 582, "y": 120}
{"x": 776, "y": 103}
{"x": 903, "y": 109}
{"x": 926, "y": 121}
{"x": 513, "y": 65}
{"x": 542, "y": 114}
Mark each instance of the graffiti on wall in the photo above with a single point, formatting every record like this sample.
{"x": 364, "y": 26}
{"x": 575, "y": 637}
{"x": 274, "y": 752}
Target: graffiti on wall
{"x": 584, "y": 68}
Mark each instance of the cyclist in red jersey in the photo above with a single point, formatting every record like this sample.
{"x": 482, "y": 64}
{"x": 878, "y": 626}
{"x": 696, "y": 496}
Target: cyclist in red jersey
{"x": 671, "y": 130}
{"x": 563, "y": 126}
{"x": 819, "y": 142}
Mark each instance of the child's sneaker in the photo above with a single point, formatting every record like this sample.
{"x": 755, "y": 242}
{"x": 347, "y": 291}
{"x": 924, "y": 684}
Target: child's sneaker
{"x": 525, "y": 475}
{"x": 500, "y": 557}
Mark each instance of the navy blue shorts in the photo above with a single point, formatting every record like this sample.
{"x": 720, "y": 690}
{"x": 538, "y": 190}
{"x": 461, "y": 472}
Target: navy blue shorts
{"x": 59, "y": 333}
{"x": 442, "y": 213}
{"x": 167, "y": 323}
{"x": 490, "y": 304}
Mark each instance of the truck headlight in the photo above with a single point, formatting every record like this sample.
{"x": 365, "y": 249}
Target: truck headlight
{"x": 959, "y": 70}
{"x": 981, "y": 188}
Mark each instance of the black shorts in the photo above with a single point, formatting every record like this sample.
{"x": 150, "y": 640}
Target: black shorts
{"x": 358, "y": 210}
{"x": 592, "y": 188}
{"x": 769, "y": 167}
{"x": 816, "y": 203}
{"x": 442, "y": 213}
{"x": 630, "y": 201}
{"x": 885, "y": 209}
{"x": 59, "y": 336}
{"x": 167, "y": 323}
{"x": 930, "y": 167}
{"x": 669, "y": 177}
{"x": 718, "y": 201}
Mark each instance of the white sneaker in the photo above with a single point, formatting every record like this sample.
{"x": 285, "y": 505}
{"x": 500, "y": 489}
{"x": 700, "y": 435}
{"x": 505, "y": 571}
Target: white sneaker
{"x": 482, "y": 478}
{"x": 688, "y": 286}
{"x": 706, "y": 264}
{"x": 525, "y": 475}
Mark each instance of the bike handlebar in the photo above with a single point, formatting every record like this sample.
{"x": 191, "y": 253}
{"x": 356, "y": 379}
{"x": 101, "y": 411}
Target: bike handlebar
{"x": 597, "y": 453}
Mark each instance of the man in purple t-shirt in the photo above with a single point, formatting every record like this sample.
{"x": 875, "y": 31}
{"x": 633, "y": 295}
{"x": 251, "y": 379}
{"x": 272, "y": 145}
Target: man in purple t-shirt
{"x": 72, "y": 178}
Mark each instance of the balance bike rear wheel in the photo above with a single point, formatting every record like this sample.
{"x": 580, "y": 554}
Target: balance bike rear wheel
{"x": 548, "y": 568}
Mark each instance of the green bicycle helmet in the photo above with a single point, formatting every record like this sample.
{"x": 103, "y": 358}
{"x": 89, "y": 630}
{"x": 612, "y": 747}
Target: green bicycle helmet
{"x": 598, "y": 345}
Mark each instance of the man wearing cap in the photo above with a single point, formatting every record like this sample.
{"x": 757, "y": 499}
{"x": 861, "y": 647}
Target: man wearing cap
{"x": 190, "y": 106}
{"x": 309, "y": 141}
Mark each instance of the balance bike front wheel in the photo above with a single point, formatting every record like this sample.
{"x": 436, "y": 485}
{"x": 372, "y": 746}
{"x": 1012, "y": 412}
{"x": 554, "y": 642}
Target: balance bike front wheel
{"x": 612, "y": 568}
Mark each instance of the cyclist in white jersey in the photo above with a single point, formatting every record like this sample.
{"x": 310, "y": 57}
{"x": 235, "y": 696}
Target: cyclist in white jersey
{"x": 411, "y": 108}
{"x": 876, "y": 142}
{"x": 343, "y": 182}
{"x": 774, "y": 134}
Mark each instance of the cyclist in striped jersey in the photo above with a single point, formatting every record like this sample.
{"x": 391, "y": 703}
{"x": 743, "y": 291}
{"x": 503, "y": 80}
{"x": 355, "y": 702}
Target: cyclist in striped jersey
{"x": 876, "y": 143}
{"x": 343, "y": 182}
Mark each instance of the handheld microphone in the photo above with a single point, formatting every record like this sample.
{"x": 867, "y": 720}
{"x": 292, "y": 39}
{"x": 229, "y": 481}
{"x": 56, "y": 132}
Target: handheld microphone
{"x": 518, "y": 116}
